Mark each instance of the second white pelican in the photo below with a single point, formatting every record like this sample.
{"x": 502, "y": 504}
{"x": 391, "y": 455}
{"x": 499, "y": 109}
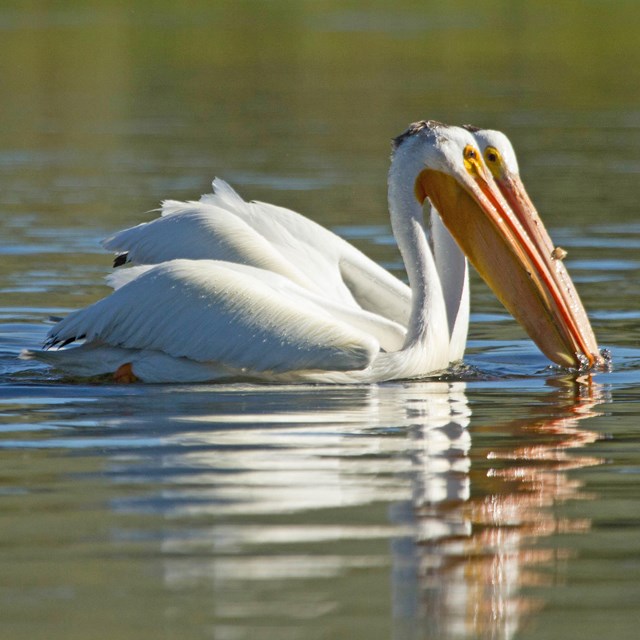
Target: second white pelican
{"x": 500, "y": 158}
{"x": 288, "y": 301}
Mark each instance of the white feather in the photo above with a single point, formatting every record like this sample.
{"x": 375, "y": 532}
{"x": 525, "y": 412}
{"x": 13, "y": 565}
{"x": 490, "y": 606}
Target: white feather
{"x": 120, "y": 277}
{"x": 222, "y": 226}
{"x": 208, "y": 312}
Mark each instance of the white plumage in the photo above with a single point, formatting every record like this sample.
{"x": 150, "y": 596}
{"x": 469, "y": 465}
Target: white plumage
{"x": 236, "y": 315}
{"x": 229, "y": 289}
{"x": 222, "y": 226}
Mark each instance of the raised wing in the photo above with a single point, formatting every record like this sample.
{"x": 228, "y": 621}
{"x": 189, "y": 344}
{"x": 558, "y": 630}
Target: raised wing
{"x": 222, "y": 226}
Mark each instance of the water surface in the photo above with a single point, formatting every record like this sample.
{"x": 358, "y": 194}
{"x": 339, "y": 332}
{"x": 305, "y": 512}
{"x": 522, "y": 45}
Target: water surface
{"x": 498, "y": 503}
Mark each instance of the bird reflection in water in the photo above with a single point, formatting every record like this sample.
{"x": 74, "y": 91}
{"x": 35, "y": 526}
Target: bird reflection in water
{"x": 292, "y": 498}
{"x": 477, "y": 530}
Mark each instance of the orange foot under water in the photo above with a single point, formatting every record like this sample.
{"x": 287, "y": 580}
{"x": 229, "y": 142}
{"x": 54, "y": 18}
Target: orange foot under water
{"x": 124, "y": 374}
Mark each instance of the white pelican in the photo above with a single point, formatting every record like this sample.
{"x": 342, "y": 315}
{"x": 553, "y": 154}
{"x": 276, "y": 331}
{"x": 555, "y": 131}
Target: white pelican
{"x": 287, "y": 301}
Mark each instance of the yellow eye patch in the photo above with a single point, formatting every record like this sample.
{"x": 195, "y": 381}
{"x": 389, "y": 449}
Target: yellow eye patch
{"x": 493, "y": 159}
{"x": 472, "y": 161}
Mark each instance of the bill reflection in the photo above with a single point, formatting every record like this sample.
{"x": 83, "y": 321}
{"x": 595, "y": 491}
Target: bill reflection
{"x": 477, "y": 544}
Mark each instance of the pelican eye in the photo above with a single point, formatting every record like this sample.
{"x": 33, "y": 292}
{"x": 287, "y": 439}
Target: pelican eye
{"x": 470, "y": 153}
{"x": 491, "y": 154}
{"x": 494, "y": 161}
{"x": 472, "y": 160}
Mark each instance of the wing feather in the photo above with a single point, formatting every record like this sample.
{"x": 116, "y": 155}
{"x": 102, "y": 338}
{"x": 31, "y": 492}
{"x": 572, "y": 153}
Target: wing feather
{"x": 222, "y": 226}
{"x": 205, "y": 311}
{"x": 195, "y": 231}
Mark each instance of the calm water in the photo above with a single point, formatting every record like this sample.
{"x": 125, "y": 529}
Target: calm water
{"x": 503, "y": 503}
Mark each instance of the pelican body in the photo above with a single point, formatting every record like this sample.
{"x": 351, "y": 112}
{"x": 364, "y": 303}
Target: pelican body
{"x": 224, "y": 289}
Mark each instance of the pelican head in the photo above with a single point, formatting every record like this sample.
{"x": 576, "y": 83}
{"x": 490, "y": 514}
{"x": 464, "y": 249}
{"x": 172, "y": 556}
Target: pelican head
{"x": 501, "y": 160}
{"x": 485, "y": 207}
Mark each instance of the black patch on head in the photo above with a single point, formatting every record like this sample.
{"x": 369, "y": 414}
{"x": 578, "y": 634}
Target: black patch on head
{"x": 471, "y": 128}
{"x": 414, "y": 129}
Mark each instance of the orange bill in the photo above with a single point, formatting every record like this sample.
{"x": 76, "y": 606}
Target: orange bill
{"x": 514, "y": 255}
{"x": 515, "y": 194}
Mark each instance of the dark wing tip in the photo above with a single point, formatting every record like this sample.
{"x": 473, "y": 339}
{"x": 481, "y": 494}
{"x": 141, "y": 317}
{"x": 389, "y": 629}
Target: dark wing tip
{"x": 59, "y": 343}
{"x": 121, "y": 259}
